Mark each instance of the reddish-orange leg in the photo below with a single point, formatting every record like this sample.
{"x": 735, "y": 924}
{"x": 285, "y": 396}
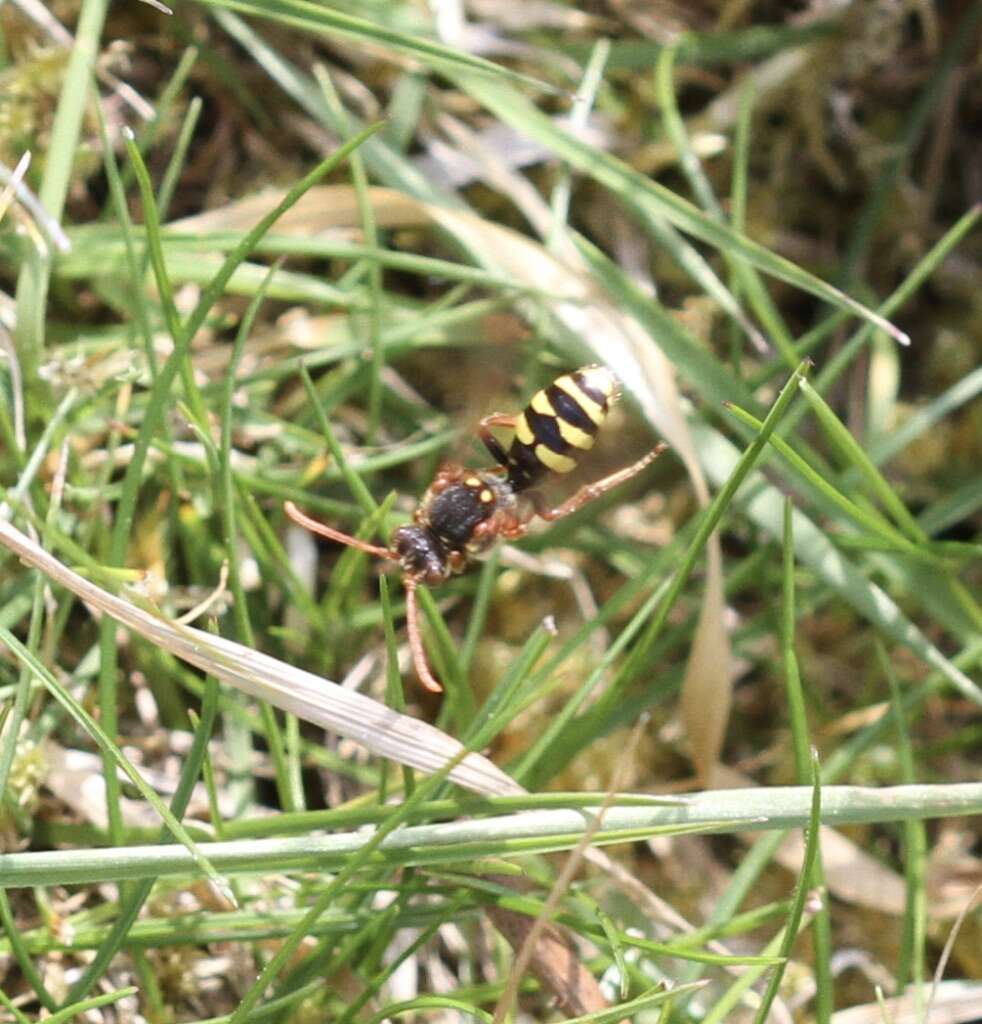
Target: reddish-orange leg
{"x": 412, "y": 608}
{"x": 323, "y": 530}
{"x": 592, "y": 491}
{"x": 420, "y": 663}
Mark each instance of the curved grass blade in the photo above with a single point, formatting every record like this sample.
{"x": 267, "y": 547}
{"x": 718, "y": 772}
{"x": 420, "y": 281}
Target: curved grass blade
{"x": 378, "y": 728}
{"x": 115, "y": 757}
{"x": 651, "y": 199}
{"x": 765, "y": 505}
{"x": 317, "y": 18}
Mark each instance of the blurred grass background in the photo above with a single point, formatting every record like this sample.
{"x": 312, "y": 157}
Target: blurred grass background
{"x": 687, "y": 193}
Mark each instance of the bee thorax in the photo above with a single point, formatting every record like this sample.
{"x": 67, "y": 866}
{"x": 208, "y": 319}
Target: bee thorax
{"x": 452, "y": 514}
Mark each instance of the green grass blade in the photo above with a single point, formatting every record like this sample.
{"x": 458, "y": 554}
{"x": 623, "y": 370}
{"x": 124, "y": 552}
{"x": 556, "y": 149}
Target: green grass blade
{"x": 913, "y": 947}
{"x": 121, "y": 929}
{"x": 701, "y": 187}
{"x": 765, "y": 506}
{"x": 709, "y": 520}
{"x": 316, "y": 18}
{"x": 115, "y": 757}
{"x": 718, "y": 811}
{"x": 850, "y": 449}
{"x": 33, "y": 280}
{"x": 84, "y": 1006}
{"x": 879, "y": 529}
{"x": 790, "y": 931}
{"x": 353, "y": 481}
{"x": 653, "y": 199}
{"x": 22, "y": 956}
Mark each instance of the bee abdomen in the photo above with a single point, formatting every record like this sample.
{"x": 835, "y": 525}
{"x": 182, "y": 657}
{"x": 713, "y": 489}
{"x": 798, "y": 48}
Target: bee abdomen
{"x": 560, "y": 422}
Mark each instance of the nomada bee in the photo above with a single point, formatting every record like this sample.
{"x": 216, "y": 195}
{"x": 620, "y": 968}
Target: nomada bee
{"x": 464, "y": 512}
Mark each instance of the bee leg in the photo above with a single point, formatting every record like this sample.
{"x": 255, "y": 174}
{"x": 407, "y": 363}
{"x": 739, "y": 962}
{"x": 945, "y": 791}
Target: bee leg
{"x": 493, "y": 445}
{"x": 503, "y": 524}
{"x": 420, "y": 663}
{"x": 591, "y": 491}
{"x": 449, "y": 473}
{"x": 323, "y": 530}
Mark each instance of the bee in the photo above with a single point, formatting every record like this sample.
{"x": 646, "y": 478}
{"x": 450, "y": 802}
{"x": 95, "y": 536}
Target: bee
{"x": 464, "y": 511}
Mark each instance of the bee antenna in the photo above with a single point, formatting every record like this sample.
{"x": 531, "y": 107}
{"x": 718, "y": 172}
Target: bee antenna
{"x": 323, "y": 530}
{"x": 420, "y": 663}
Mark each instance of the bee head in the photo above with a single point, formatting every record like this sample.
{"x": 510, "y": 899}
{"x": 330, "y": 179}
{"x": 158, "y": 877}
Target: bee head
{"x": 421, "y": 554}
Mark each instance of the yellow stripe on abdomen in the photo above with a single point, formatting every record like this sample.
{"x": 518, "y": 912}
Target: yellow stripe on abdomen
{"x": 574, "y": 436}
{"x": 599, "y": 382}
{"x": 523, "y": 432}
{"x": 559, "y": 423}
{"x": 553, "y": 460}
{"x": 540, "y": 403}
{"x": 595, "y": 411}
